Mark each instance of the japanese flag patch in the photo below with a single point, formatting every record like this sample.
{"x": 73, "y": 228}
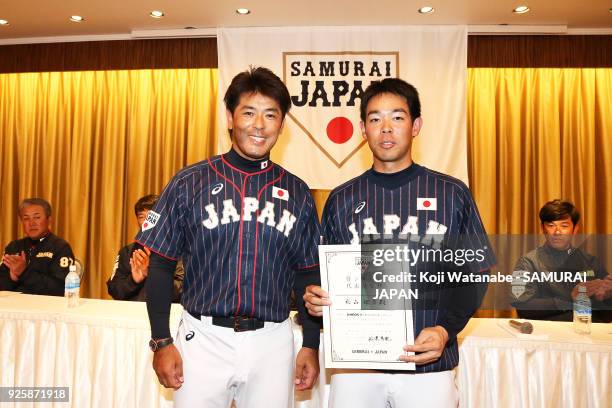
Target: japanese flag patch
{"x": 152, "y": 218}
{"x": 427, "y": 204}
{"x": 280, "y": 193}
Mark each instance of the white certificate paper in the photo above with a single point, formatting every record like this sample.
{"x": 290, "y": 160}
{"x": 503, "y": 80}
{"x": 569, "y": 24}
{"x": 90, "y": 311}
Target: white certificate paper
{"x": 356, "y": 338}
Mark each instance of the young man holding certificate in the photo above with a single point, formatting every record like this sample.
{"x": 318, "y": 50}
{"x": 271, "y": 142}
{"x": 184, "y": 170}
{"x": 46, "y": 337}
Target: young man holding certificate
{"x": 402, "y": 202}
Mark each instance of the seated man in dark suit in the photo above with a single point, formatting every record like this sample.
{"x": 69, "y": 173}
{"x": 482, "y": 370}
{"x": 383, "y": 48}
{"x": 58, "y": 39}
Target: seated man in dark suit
{"x": 132, "y": 265}
{"x": 37, "y": 264}
{"x": 553, "y": 300}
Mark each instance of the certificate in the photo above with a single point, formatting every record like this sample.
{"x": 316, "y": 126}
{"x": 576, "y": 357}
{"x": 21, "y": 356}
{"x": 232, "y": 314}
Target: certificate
{"x": 355, "y": 334}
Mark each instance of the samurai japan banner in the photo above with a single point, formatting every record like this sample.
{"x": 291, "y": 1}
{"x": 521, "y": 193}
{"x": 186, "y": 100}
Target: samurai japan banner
{"x": 326, "y": 70}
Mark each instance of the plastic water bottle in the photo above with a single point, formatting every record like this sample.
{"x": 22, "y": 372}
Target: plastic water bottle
{"x": 72, "y": 285}
{"x": 582, "y": 312}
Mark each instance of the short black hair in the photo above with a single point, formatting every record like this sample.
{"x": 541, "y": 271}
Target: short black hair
{"x": 394, "y": 86}
{"x": 258, "y": 80}
{"x": 35, "y": 201}
{"x": 145, "y": 203}
{"x": 557, "y": 210}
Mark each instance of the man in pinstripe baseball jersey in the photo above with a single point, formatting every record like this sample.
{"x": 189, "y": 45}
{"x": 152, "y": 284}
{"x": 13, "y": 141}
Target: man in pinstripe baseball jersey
{"x": 398, "y": 200}
{"x": 247, "y": 233}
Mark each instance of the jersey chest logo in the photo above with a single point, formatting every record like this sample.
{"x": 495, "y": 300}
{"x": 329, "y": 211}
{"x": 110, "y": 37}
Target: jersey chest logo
{"x": 267, "y": 215}
{"x": 427, "y": 204}
{"x": 280, "y": 193}
{"x": 392, "y": 227}
{"x": 360, "y": 207}
{"x": 217, "y": 189}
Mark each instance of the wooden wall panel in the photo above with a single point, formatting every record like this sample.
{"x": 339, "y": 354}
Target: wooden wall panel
{"x": 110, "y": 55}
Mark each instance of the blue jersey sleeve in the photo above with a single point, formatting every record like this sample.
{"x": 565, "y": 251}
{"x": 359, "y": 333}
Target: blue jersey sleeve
{"x": 307, "y": 255}
{"x": 163, "y": 232}
{"x": 474, "y": 235}
{"x": 328, "y": 222}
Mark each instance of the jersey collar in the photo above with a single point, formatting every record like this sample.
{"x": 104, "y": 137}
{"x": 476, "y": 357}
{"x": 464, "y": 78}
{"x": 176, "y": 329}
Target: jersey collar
{"x": 247, "y": 166}
{"x": 394, "y": 180}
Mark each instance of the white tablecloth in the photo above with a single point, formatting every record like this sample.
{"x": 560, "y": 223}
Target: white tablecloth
{"x": 497, "y": 369}
{"x": 99, "y": 350}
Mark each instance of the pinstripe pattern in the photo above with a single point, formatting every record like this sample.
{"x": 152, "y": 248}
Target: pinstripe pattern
{"x": 244, "y": 266}
{"x": 456, "y": 211}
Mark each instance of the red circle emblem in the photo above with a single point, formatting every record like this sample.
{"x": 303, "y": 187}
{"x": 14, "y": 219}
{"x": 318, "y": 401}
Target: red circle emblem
{"x": 426, "y": 203}
{"x": 339, "y": 130}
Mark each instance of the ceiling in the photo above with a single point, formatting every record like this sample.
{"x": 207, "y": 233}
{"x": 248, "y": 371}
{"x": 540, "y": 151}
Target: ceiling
{"x": 29, "y": 20}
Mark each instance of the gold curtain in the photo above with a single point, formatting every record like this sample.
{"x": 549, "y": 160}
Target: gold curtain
{"x": 535, "y": 134}
{"x": 92, "y": 143}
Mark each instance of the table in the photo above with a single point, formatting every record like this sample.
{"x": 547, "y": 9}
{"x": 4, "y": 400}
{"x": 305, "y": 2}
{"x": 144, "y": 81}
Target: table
{"x": 99, "y": 350}
{"x": 497, "y": 369}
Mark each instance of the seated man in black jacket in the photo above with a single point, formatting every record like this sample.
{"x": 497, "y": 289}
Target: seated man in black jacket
{"x": 132, "y": 265}
{"x": 37, "y": 264}
{"x": 553, "y": 300}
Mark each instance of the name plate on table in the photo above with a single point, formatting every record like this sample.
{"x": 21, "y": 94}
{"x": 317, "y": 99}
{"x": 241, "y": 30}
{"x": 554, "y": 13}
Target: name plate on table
{"x": 362, "y": 328}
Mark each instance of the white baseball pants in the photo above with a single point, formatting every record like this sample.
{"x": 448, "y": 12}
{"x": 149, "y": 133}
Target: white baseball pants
{"x": 253, "y": 368}
{"x": 401, "y": 390}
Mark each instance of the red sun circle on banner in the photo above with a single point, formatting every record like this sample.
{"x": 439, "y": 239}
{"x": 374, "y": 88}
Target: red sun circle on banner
{"x": 280, "y": 193}
{"x": 426, "y": 203}
{"x": 339, "y": 130}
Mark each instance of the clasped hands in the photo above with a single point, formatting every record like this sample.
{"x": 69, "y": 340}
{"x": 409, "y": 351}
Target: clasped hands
{"x": 16, "y": 264}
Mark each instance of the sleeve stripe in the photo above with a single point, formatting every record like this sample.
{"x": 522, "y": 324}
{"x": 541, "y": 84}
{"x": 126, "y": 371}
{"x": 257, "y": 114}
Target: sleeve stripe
{"x": 157, "y": 252}
{"x": 308, "y": 267}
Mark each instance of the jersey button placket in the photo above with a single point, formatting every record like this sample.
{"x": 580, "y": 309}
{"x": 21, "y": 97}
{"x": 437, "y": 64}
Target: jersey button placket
{"x": 249, "y": 237}
{"x": 242, "y": 242}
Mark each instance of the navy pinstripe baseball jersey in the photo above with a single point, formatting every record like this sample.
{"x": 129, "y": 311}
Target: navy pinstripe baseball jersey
{"x": 240, "y": 235}
{"x": 408, "y": 206}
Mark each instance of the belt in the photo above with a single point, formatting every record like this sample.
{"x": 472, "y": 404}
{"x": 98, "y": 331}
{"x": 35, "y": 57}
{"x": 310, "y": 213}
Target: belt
{"x": 238, "y": 323}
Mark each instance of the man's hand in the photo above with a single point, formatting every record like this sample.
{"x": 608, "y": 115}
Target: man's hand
{"x": 16, "y": 264}
{"x": 306, "y": 368}
{"x": 429, "y": 344}
{"x": 314, "y": 299}
{"x": 139, "y": 263}
{"x": 600, "y": 289}
{"x": 168, "y": 366}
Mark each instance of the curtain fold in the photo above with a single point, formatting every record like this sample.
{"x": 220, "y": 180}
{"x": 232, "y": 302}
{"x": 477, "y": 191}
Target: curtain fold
{"x": 92, "y": 143}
